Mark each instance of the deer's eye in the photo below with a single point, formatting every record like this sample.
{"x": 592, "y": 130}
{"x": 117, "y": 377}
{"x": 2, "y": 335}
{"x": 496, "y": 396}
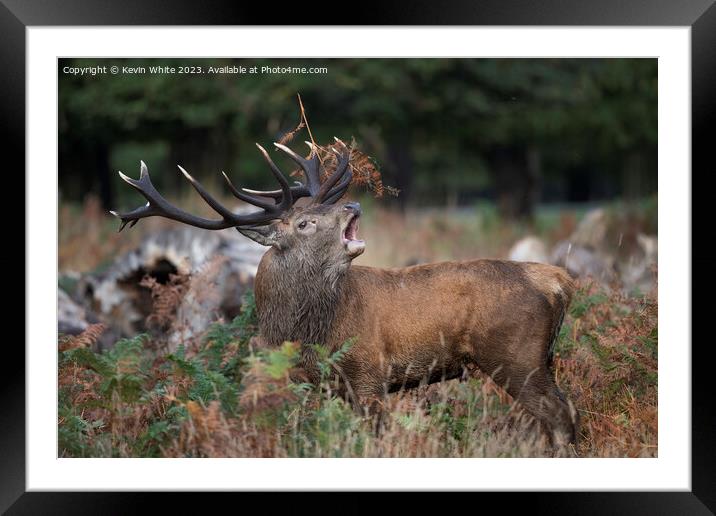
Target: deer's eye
{"x": 302, "y": 225}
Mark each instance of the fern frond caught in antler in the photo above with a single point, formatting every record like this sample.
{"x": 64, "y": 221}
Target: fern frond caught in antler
{"x": 364, "y": 167}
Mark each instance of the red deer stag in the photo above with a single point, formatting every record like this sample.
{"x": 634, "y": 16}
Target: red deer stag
{"x": 426, "y": 322}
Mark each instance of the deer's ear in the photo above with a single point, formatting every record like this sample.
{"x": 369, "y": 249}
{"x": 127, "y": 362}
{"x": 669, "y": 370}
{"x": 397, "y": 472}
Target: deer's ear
{"x": 264, "y": 235}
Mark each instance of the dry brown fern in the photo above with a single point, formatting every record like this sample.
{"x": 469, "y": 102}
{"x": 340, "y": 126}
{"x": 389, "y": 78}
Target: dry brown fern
{"x": 289, "y": 136}
{"x": 166, "y": 298}
{"x": 86, "y": 339}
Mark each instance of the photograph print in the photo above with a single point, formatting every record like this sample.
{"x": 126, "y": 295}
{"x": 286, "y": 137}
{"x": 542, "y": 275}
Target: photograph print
{"x": 420, "y": 257}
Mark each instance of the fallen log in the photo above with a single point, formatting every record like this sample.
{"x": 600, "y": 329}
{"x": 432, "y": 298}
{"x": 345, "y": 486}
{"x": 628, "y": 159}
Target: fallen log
{"x": 214, "y": 270}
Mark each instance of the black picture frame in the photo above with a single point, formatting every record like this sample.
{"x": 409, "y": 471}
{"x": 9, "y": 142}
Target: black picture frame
{"x": 700, "y": 15}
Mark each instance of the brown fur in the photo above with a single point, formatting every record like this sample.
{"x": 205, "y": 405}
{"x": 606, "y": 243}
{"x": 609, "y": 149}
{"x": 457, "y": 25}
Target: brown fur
{"x": 420, "y": 323}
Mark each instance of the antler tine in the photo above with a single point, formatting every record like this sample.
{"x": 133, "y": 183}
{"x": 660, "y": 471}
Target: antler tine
{"x": 287, "y": 197}
{"x": 297, "y": 191}
{"x": 327, "y": 190}
{"x": 340, "y": 189}
{"x": 249, "y": 198}
{"x": 310, "y": 167}
{"x": 215, "y": 205}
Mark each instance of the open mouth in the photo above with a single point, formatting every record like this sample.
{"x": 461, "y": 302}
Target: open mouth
{"x": 353, "y": 244}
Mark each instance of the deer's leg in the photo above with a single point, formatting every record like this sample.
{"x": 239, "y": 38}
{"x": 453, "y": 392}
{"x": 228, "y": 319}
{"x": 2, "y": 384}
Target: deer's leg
{"x": 365, "y": 390}
{"x": 535, "y": 390}
{"x": 369, "y": 400}
{"x": 541, "y": 397}
{"x": 366, "y": 398}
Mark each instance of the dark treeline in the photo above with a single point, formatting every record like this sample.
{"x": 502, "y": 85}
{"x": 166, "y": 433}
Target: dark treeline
{"x": 443, "y": 131}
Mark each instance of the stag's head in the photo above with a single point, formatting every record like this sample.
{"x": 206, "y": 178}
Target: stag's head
{"x": 320, "y": 227}
{"x": 315, "y": 230}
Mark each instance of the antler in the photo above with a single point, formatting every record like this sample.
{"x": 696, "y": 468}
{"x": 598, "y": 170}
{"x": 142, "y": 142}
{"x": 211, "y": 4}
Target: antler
{"x": 327, "y": 193}
{"x": 159, "y": 206}
{"x": 284, "y": 198}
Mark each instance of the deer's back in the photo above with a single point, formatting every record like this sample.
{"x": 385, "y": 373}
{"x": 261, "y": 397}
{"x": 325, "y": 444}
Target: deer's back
{"x": 413, "y": 311}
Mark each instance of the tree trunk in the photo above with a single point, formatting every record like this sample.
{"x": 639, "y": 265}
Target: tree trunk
{"x": 633, "y": 175}
{"x": 516, "y": 174}
{"x": 104, "y": 176}
{"x": 84, "y": 168}
{"x": 400, "y": 155}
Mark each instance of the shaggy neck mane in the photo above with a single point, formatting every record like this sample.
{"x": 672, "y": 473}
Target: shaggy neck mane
{"x": 297, "y": 299}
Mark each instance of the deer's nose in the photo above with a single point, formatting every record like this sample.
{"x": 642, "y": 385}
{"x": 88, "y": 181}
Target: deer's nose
{"x": 352, "y": 206}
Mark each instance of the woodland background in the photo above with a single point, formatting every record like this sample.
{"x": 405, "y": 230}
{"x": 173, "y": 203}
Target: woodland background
{"x": 514, "y": 131}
